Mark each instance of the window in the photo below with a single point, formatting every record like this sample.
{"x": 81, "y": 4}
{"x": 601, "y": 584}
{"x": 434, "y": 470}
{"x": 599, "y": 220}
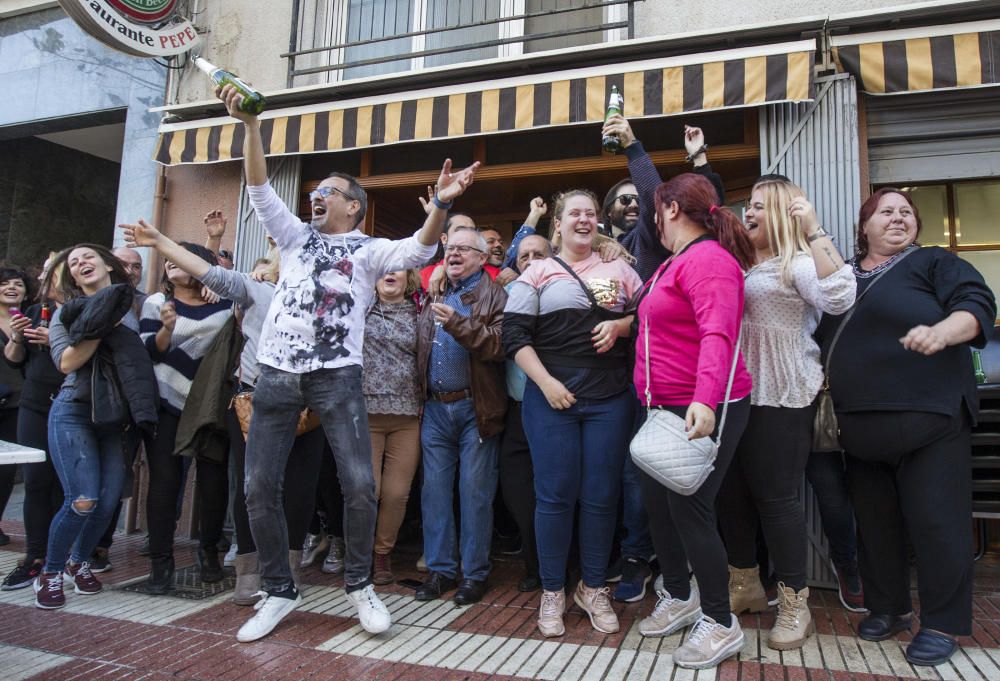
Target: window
{"x": 962, "y": 217}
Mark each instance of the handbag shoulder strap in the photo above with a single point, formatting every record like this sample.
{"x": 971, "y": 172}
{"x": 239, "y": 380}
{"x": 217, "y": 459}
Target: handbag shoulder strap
{"x": 586, "y": 289}
{"x": 854, "y": 307}
{"x": 732, "y": 368}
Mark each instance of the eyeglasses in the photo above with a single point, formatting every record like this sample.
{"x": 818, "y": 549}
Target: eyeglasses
{"x": 464, "y": 250}
{"x": 223, "y": 253}
{"x": 323, "y": 192}
{"x": 626, "y": 199}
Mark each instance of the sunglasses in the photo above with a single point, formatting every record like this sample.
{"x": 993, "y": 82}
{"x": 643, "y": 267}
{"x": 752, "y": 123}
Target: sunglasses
{"x": 625, "y": 199}
{"x": 223, "y": 253}
{"x": 323, "y": 192}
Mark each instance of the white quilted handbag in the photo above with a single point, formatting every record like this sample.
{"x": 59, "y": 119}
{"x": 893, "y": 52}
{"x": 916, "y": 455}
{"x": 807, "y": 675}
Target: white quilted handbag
{"x": 661, "y": 447}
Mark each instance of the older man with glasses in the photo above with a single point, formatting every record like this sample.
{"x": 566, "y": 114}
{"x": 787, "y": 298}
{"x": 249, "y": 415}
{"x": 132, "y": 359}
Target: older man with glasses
{"x": 460, "y": 366}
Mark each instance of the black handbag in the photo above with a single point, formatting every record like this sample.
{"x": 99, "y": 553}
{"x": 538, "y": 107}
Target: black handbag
{"x": 826, "y": 430}
{"x": 107, "y": 403}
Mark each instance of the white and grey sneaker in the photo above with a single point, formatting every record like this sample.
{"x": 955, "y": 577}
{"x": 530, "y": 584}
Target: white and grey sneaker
{"x": 709, "y": 643}
{"x": 271, "y": 609}
{"x": 372, "y": 612}
{"x": 671, "y": 614}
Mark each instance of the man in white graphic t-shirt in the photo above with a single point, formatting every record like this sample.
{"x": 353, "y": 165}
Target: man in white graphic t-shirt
{"x": 310, "y": 356}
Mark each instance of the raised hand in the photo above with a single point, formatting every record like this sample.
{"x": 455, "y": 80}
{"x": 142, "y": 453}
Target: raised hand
{"x": 426, "y": 203}
{"x": 618, "y": 126}
{"x": 215, "y": 224}
{"x": 168, "y": 316}
{"x": 451, "y": 185}
{"x": 231, "y": 97}
{"x": 803, "y": 211}
{"x": 694, "y": 139}
{"x": 140, "y": 234}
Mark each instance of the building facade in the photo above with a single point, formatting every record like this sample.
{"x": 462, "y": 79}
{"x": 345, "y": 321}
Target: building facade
{"x": 76, "y": 133}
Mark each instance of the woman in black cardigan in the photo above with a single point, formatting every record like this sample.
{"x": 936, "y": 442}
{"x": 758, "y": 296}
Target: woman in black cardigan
{"x": 905, "y": 395}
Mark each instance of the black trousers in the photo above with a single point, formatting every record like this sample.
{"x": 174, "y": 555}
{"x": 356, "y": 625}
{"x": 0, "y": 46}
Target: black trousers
{"x": 910, "y": 477}
{"x": 517, "y": 484}
{"x": 761, "y": 490}
{"x": 301, "y": 474}
{"x": 684, "y": 528}
{"x": 8, "y": 432}
{"x": 329, "y": 496}
{"x": 43, "y": 493}
{"x": 165, "y": 476}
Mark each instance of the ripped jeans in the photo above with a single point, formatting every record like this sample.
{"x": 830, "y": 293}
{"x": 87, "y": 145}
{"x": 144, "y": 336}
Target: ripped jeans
{"x": 336, "y": 397}
{"x": 90, "y": 463}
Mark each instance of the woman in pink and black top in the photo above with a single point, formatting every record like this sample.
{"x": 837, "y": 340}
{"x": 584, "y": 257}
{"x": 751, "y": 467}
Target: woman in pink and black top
{"x": 692, "y": 308}
{"x": 566, "y": 324}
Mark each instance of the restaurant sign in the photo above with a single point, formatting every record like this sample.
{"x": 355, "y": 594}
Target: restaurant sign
{"x": 143, "y": 28}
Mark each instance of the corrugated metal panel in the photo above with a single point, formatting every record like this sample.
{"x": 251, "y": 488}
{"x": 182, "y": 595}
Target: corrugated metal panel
{"x": 251, "y": 244}
{"x": 817, "y": 146}
{"x": 933, "y": 137}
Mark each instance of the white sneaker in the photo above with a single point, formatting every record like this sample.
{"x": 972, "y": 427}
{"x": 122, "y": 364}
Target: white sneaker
{"x": 230, "y": 559}
{"x": 372, "y": 612}
{"x": 709, "y": 643}
{"x": 671, "y": 614}
{"x": 270, "y": 611}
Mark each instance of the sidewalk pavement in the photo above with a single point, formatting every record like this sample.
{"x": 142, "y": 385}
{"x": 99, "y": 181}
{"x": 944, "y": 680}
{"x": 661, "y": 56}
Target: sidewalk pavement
{"x": 122, "y": 635}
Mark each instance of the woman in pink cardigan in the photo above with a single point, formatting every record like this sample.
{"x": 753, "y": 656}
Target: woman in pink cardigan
{"x": 692, "y": 309}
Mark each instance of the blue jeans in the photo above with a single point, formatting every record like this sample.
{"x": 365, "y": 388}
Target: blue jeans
{"x": 90, "y": 463}
{"x": 825, "y": 472}
{"x": 335, "y": 395}
{"x": 450, "y": 439}
{"x": 636, "y": 541}
{"x": 578, "y": 455}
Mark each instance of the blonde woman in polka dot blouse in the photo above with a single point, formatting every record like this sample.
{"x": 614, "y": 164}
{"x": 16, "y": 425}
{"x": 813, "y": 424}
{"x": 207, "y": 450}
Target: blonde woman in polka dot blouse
{"x": 798, "y": 276}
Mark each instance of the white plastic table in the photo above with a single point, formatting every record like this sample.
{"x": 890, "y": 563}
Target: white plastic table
{"x": 15, "y": 453}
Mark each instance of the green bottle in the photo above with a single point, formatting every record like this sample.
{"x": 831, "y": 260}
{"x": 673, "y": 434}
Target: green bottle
{"x": 615, "y": 106}
{"x": 977, "y": 364}
{"x": 252, "y": 102}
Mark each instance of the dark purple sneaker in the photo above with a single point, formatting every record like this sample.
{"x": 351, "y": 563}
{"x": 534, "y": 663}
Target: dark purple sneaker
{"x": 84, "y": 581}
{"x": 49, "y": 591}
{"x": 849, "y": 588}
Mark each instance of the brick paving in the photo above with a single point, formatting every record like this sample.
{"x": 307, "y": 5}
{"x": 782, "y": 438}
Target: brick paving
{"x": 125, "y": 635}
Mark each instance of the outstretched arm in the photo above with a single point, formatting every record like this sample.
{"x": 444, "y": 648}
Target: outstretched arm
{"x": 450, "y": 186}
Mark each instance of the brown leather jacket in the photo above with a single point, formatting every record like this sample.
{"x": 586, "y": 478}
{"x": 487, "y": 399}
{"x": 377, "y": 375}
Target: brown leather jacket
{"x": 479, "y": 333}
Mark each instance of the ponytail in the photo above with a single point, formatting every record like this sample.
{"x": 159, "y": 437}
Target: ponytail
{"x": 696, "y": 198}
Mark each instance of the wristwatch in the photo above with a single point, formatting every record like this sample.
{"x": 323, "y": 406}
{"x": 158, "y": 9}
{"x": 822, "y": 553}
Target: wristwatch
{"x": 818, "y": 234}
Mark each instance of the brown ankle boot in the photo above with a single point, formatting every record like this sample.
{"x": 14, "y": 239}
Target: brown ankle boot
{"x": 247, "y": 579}
{"x": 745, "y": 590}
{"x": 382, "y": 570}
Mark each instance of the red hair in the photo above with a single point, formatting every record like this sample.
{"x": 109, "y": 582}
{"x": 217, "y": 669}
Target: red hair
{"x": 868, "y": 209}
{"x": 696, "y": 197}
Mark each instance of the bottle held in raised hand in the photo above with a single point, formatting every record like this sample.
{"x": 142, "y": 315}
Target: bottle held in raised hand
{"x": 252, "y": 102}
{"x": 616, "y": 105}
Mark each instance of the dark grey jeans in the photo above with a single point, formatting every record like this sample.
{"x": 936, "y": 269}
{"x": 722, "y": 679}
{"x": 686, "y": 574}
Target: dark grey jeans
{"x": 335, "y": 395}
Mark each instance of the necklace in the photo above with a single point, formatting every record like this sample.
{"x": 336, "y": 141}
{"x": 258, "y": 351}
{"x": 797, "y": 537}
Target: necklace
{"x": 391, "y": 325}
{"x": 866, "y": 274}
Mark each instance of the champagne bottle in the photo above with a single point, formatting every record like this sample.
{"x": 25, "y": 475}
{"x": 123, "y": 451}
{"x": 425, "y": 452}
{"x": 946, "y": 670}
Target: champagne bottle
{"x": 252, "y": 102}
{"x": 615, "y": 106}
{"x": 977, "y": 364}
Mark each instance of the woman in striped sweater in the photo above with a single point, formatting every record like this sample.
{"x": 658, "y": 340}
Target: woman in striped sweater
{"x": 178, "y": 328}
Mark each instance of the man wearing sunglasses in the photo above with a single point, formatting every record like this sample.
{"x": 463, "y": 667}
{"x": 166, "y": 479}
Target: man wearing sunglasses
{"x": 310, "y": 356}
{"x": 621, "y": 210}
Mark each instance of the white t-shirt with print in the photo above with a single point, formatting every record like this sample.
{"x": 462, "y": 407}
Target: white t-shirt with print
{"x": 317, "y": 316}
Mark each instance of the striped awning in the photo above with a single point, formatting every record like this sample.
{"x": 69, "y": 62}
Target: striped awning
{"x": 929, "y": 58}
{"x": 657, "y": 87}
